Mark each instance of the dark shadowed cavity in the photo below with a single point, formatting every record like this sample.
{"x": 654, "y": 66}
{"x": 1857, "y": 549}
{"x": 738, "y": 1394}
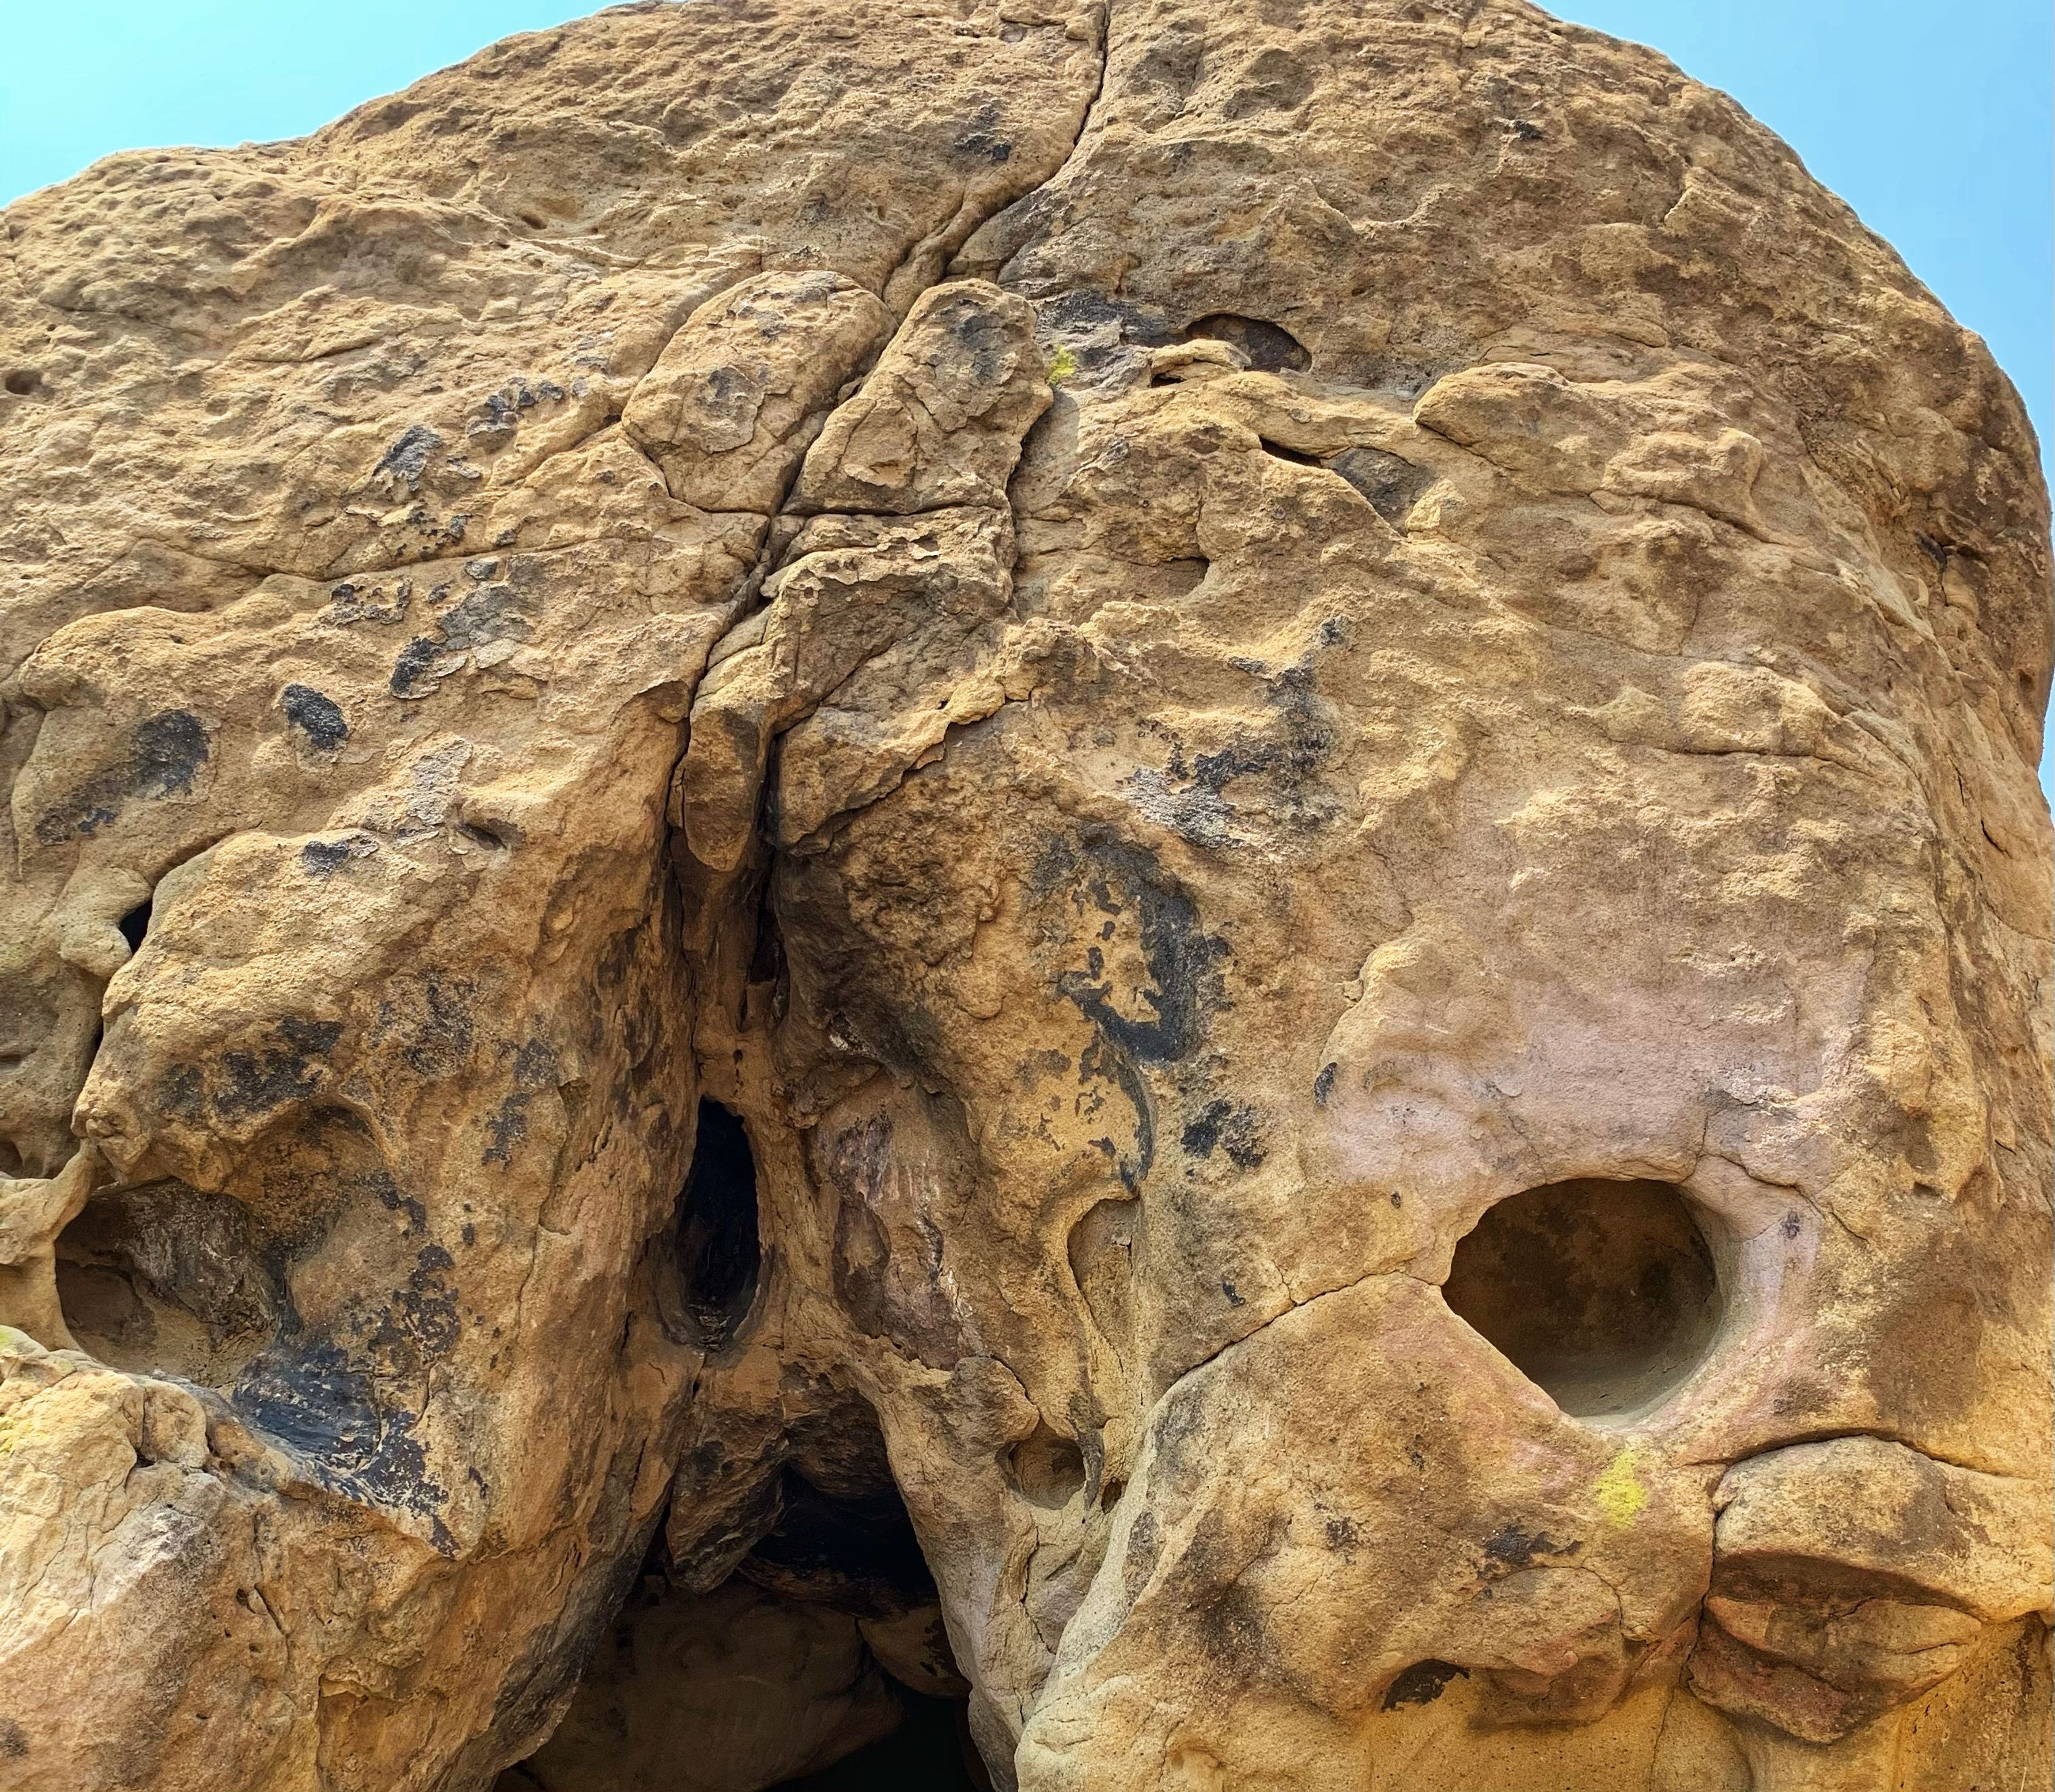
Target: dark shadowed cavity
{"x": 836, "y": 1537}
{"x": 931, "y": 1751}
{"x": 1271, "y": 348}
{"x": 1603, "y": 1293}
{"x": 719, "y": 1252}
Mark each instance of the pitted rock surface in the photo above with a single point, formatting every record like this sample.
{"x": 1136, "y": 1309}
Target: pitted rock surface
{"x": 1173, "y": 869}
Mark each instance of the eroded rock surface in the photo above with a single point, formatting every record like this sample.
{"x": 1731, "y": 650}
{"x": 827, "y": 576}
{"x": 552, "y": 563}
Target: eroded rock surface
{"x": 1177, "y": 868}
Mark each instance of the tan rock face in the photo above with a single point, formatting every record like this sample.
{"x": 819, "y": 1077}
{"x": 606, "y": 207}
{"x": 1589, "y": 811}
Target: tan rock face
{"x": 1179, "y": 867}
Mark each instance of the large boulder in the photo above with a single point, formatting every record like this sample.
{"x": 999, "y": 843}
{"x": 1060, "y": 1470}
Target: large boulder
{"x": 1175, "y": 868}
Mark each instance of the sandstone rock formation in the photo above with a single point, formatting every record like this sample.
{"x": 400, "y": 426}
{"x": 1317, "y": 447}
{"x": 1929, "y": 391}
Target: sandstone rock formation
{"x": 1174, "y": 866}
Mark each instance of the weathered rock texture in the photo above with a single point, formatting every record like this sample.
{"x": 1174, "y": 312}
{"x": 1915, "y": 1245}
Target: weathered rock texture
{"x": 1244, "y": 792}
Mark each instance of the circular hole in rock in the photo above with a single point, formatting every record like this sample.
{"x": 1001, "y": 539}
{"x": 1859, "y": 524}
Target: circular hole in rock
{"x": 20, "y": 382}
{"x": 1047, "y": 1467}
{"x": 1601, "y": 1292}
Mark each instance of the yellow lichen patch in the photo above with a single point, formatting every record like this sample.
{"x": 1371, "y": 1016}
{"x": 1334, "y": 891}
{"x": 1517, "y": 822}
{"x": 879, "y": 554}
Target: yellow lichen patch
{"x": 1621, "y": 1494}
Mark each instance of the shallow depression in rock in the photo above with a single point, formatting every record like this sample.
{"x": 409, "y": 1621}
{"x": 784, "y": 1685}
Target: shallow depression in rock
{"x": 1603, "y": 1293}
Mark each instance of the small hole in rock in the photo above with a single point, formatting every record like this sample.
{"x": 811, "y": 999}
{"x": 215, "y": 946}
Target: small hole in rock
{"x": 718, "y": 1251}
{"x": 1271, "y": 348}
{"x": 1047, "y": 1467}
{"x": 1109, "y": 1495}
{"x": 1601, "y": 1292}
{"x": 533, "y": 221}
{"x": 20, "y": 382}
{"x": 136, "y": 925}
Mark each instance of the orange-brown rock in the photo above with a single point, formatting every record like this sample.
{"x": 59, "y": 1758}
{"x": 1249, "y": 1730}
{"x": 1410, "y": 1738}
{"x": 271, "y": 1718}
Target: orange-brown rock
{"x": 1176, "y": 869}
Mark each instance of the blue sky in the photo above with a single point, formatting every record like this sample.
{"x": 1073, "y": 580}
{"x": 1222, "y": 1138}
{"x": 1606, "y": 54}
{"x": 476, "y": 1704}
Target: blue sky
{"x": 1933, "y": 120}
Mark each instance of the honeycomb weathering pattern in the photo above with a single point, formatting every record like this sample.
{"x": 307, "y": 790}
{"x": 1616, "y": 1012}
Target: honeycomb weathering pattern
{"x": 1175, "y": 648}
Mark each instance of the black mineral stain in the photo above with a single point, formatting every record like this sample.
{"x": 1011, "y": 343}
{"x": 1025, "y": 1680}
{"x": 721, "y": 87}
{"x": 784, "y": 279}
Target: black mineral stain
{"x": 245, "y": 1082}
{"x": 492, "y": 612}
{"x": 1180, "y": 955}
{"x": 1422, "y": 1684}
{"x": 432, "y": 1020}
{"x": 166, "y": 754}
{"x": 983, "y": 337}
{"x": 180, "y": 1092}
{"x": 316, "y": 1038}
{"x": 1223, "y": 1124}
{"x": 413, "y": 668}
{"x": 408, "y": 458}
{"x": 1511, "y": 1547}
{"x": 320, "y": 858}
{"x": 508, "y": 1126}
{"x": 169, "y": 750}
{"x": 345, "y": 1397}
{"x": 979, "y": 139}
{"x": 315, "y": 1399}
{"x": 1392, "y": 485}
{"x": 534, "y": 1067}
{"x": 1112, "y": 879}
{"x": 316, "y": 717}
{"x": 252, "y": 1083}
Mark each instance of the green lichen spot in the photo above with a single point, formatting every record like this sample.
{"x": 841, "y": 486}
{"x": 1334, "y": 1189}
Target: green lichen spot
{"x": 1062, "y": 364}
{"x": 1621, "y": 1494}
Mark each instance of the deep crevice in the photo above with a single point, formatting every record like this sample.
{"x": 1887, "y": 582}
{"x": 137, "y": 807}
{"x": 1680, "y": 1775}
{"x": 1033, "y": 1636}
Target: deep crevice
{"x": 134, "y": 925}
{"x": 717, "y": 1244}
{"x": 1292, "y": 455}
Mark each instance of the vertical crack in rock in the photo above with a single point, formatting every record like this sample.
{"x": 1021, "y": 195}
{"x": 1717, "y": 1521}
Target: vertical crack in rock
{"x": 895, "y": 535}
